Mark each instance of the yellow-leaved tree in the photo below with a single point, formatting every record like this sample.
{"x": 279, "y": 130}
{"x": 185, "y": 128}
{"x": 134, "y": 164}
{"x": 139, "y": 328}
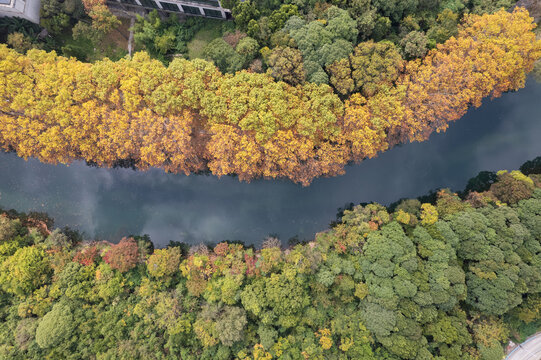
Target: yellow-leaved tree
{"x": 189, "y": 117}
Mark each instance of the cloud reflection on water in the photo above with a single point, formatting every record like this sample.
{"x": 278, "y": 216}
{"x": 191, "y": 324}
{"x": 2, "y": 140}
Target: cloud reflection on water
{"x": 111, "y": 203}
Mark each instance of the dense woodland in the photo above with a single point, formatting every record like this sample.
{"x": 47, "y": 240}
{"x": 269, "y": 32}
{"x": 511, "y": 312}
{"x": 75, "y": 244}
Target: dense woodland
{"x": 290, "y": 89}
{"x": 321, "y": 31}
{"x": 446, "y": 276}
{"x": 189, "y": 117}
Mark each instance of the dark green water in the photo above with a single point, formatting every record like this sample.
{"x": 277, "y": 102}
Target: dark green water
{"x": 110, "y": 203}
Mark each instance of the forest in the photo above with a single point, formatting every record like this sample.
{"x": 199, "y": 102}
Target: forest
{"x": 318, "y": 107}
{"x": 444, "y": 276}
{"x": 294, "y": 90}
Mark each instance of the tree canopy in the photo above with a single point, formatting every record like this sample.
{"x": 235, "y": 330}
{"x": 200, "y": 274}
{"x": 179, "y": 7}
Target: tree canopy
{"x": 189, "y": 117}
{"x": 451, "y": 279}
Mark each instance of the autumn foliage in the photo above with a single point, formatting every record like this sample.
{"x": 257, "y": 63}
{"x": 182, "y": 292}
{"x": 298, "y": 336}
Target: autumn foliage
{"x": 452, "y": 278}
{"x": 91, "y": 4}
{"x": 87, "y": 256}
{"x": 123, "y": 256}
{"x": 188, "y": 117}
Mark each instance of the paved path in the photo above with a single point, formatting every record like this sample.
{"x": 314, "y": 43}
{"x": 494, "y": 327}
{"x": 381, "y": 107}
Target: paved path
{"x": 528, "y": 350}
{"x": 130, "y": 40}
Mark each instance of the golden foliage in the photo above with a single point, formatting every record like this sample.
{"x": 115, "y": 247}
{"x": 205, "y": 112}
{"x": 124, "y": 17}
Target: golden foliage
{"x": 188, "y": 117}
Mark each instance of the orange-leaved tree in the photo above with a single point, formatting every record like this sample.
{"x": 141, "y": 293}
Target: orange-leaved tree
{"x": 189, "y": 117}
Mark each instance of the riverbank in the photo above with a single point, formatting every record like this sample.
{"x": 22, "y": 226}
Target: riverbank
{"x": 409, "y": 282}
{"x": 481, "y": 182}
{"x": 189, "y": 117}
{"x": 110, "y": 203}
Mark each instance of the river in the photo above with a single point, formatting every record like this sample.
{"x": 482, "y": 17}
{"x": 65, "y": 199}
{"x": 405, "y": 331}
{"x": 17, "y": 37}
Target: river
{"x": 111, "y": 203}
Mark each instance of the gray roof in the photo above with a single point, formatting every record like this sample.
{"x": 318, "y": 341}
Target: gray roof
{"x": 28, "y": 9}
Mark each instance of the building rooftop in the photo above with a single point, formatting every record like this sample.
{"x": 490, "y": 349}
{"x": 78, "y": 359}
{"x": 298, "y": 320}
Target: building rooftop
{"x": 27, "y": 9}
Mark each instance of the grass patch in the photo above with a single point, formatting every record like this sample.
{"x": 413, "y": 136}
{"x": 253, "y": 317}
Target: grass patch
{"x": 113, "y": 46}
{"x": 82, "y": 48}
{"x": 211, "y": 30}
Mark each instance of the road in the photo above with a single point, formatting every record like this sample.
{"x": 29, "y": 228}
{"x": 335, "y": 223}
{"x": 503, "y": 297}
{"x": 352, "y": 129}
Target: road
{"x": 528, "y": 350}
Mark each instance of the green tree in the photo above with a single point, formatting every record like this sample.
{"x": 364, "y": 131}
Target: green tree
{"x": 109, "y": 284}
{"x": 56, "y": 326}
{"x": 230, "y": 325}
{"x": 444, "y": 27}
{"x": 365, "y": 15}
{"x": 57, "y": 239}
{"x": 389, "y": 266}
{"x": 323, "y": 43}
{"x": 396, "y": 9}
{"x": 161, "y": 37}
{"x": 382, "y": 28}
{"x": 488, "y": 244}
{"x": 414, "y": 45}
{"x": 25, "y": 271}
{"x": 248, "y": 48}
{"x": 492, "y": 351}
{"x": 373, "y": 66}
{"x": 244, "y": 12}
{"x": 74, "y": 282}
{"x": 450, "y": 334}
{"x": 481, "y": 182}
{"x": 446, "y": 279}
{"x": 57, "y": 15}
{"x": 279, "y": 17}
{"x": 223, "y": 56}
{"x": 489, "y": 6}
{"x": 531, "y": 166}
{"x": 278, "y": 299}
{"x": 9, "y": 229}
{"x": 340, "y": 24}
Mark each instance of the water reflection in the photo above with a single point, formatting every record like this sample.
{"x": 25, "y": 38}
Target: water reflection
{"x": 110, "y": 203}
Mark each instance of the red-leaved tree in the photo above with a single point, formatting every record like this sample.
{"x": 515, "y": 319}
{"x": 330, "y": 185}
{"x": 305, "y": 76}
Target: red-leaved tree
{"x": 123, "y": 256}
{"x": 87, "y": 256}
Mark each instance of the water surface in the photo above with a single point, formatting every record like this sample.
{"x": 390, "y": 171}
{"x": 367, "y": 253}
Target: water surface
{"x": 111, "y": 203}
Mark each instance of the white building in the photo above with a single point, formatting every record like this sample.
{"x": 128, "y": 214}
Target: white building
{"x": 27, "y": 9}
{"x": 207, "y": 8}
